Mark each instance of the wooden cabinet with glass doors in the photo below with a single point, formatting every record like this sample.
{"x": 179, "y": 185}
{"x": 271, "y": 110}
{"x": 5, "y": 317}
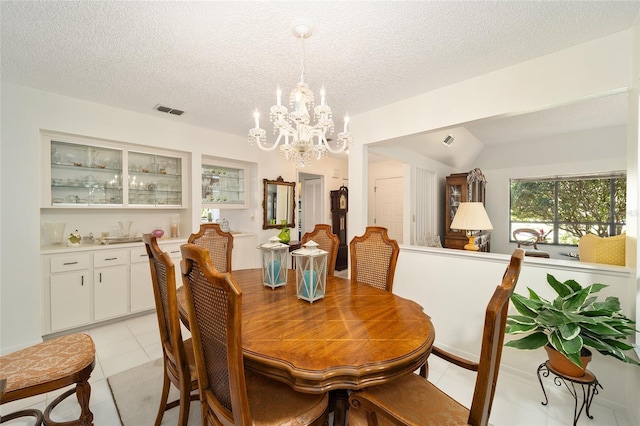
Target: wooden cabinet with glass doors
{"x": 460, "y": 188}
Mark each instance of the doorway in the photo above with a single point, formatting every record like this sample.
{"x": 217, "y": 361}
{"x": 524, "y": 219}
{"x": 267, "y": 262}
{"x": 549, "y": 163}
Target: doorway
{"x": 388, "y": 206}
{"x": 310, "y": 202}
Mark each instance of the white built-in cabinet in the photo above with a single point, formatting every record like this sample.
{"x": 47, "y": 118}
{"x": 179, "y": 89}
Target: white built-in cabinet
{"x": 86, "y": 285}
{"x": 224, "y": 184}
{"x": 110, "y": 284}
{"x": 141, "y": 291}
{"x": 244, "y": 252}
{"x": 69, "y": 285}
{"x": 87, "y": 173}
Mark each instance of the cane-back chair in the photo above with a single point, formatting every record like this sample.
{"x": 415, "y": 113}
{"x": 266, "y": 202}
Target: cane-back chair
{"x": 45, "y": 367}
{"x": 179, "y": 364}
{"x": 413, "y": 400}
{"x": 218, "y": 242}
{"x": 229, "y": 395}
{"x": 327, "y": 241}
{"x": 373, "y": 258}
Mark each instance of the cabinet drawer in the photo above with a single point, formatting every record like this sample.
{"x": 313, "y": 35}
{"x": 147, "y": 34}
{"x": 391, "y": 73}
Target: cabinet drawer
{"x": 173, "y": 250}
{"x": 139, "y": 254}
{"x": 110, "y": 258}
{"x": 69, "y": 263}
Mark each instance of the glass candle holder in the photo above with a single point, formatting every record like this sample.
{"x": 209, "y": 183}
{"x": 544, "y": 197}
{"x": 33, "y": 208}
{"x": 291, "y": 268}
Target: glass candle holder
{"x": 55, "y": 231}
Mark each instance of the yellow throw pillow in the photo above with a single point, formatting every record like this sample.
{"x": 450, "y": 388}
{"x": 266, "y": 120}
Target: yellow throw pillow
{"x": 610, "y": 250}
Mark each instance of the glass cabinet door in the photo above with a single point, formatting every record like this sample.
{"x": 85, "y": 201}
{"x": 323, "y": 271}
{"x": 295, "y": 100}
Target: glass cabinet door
{"x": 154, "y": 180}
{"x": 223, "y": 186}
{"x": 455, "y": 197}
{"x": 85, "y": 175}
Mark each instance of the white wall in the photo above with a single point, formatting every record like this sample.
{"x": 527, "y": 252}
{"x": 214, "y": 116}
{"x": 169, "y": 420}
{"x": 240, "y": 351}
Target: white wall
{"x": 603, "y": 66}
{"x": 25, "y": 113}
{"x": 454, "y": 288}
{"x": 598, "y": 150}
{"x": 591, "y": 69}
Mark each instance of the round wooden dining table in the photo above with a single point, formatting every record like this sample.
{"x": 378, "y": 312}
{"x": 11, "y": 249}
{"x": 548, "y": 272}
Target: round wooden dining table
{"x": 356, "y": 336}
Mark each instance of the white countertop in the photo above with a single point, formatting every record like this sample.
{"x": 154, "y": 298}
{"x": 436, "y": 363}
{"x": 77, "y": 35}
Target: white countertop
{"x": 63, "y": 248}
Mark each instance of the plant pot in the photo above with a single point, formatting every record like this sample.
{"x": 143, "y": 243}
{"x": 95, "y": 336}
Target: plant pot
{"x": 560, "y": 363}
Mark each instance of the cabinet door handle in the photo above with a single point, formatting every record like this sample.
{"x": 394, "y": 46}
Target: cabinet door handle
{"x": 100, "y": 279}
{"x": 70, "y": 263}
{"x": 143, "y": 255}
{"x": 175, "y": 251}
{"x": 81, "y": 279}
{"x": 111, "y": 258}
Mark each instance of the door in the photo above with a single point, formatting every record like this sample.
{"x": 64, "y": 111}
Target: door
{"x": 312, "y": 205}
{"x": 388, "y": 202}
{"x": 141, "y": 287}
{"x": 70, "y": 300}
{"x": 110, "y": 292}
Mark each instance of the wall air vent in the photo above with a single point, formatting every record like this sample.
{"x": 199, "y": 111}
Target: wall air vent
{"x": 173, "y": 111}
{"x": 448, "y": 140}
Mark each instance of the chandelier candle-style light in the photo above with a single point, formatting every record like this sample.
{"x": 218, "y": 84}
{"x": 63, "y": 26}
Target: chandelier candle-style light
{"x": 297, "y": 137}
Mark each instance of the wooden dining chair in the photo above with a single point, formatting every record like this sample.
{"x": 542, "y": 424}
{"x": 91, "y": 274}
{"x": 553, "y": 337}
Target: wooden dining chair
{"x": 373, "y": 258}
{"x": 179, "y": 364}
{"x": 327, "y": 241}
{"x": 413, "y": 400}
{"x": 48, "y": 366}
{"x": 218, "y": 242}
{"x": 230, "y": 395}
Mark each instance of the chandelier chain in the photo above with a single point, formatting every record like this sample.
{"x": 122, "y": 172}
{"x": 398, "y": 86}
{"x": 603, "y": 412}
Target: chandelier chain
{"x": 302, "y": 59}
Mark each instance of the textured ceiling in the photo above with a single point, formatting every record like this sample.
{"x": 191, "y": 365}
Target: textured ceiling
{"x": 220, "y": 60}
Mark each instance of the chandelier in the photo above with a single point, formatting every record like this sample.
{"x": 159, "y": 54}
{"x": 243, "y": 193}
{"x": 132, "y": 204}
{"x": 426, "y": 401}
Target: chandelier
{"x": 300, "y": 140}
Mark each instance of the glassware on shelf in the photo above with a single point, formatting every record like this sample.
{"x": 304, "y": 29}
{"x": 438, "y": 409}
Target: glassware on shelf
{"x": 125, "y": 228}
{"x": 55, "y": 232}
{"x": 174, "y": 226}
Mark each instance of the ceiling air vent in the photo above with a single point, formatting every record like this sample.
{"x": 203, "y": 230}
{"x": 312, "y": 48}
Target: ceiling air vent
{"x": 168, "y": 110}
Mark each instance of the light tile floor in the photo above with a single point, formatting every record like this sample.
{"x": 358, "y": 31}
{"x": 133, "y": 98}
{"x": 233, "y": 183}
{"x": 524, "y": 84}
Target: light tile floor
{"x": 131, "y": 342}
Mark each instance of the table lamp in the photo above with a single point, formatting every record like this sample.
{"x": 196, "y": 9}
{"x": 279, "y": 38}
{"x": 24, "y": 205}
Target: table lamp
{"x": 471, "y": 217}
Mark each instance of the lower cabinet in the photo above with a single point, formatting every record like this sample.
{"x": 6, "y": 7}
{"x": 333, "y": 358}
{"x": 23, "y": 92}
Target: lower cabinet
{"x": 110, "y": 284}
{"x": 88, "y": 285}
{"x": 244, "y": 252}
{"x": 71, "y": 299}
{"x": 173, "y": 250}
{"x": 142, "y": 297}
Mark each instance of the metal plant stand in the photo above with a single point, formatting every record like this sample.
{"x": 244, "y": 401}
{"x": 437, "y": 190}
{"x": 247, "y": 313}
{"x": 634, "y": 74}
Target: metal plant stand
{"x": 588, "y": 384}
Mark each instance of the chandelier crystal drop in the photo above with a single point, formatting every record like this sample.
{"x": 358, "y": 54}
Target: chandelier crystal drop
{"x": 300, "y": 140}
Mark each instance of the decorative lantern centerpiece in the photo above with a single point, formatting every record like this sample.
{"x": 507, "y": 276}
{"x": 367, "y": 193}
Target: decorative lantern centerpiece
{"x": 274, "y": 263}
{"x": 311, "y": 271}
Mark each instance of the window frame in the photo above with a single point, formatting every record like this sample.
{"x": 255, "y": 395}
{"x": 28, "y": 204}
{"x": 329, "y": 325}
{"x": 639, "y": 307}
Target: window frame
{"x": 555, "y": 232}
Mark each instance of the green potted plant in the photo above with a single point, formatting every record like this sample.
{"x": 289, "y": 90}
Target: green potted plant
{"x": 574, "y": 320}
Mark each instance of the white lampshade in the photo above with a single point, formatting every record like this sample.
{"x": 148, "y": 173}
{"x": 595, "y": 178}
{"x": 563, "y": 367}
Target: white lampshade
{"x": 471, "y": 217}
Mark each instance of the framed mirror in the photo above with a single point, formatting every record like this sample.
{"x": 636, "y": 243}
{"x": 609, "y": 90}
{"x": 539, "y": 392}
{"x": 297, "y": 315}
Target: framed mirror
{"x": 278, "y": 203}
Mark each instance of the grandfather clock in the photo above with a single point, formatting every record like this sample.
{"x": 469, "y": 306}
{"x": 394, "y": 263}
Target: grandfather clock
{"x": 339, "y": 207}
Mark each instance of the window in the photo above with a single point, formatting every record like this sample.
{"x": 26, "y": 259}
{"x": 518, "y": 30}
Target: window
{"x": 564, "y": 208}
